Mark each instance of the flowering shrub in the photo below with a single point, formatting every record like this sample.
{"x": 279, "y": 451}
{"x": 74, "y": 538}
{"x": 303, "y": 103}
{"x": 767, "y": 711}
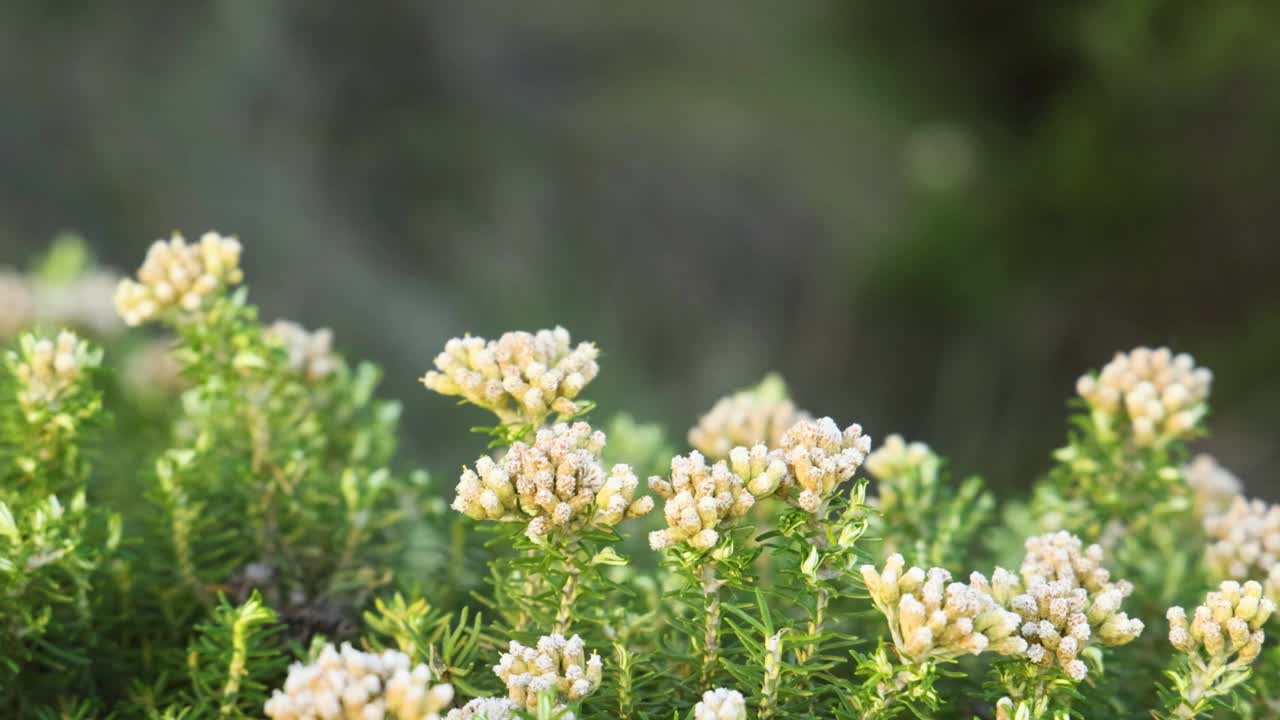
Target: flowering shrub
{"x": 214, "y": 524}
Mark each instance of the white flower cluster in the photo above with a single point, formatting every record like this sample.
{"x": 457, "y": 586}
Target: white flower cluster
{"x": 1066, "y": 600}
{"x": 489, "y": 709}
{"x": 1228, "y": 624}
{"x": 360, "y": 686}
{"x": 1163, "y": 395}
{"x": 556, "y": 665}
{"x": 83, "y": 303}
{"x": 1246, "y": 543}
{"x": 47, "y": 370}
{"x": 17, "y": 303}
{"x": 699, "y": 498}
{"x": 1213, "y": 487}
{"x": 557, "y": 483}
{"x": 176, "y": 275}
{"x": 819, "y": 458}
{"x": 756, "y": 416}
{"x": 153, "y": 369}
{"x": 520, "y": 377}
{"x": 721, "y": 704}
{"x": 310, "y": 353}
{"x": 931, "y": 617}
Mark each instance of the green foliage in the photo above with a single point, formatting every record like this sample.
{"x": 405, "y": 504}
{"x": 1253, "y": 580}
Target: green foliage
{"x": 174, "y": 568}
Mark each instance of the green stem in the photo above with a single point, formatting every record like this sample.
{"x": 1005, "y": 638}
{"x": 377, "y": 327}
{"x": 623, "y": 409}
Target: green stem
{"x": 569, "y": 595}
{"x": 711, "y": 628}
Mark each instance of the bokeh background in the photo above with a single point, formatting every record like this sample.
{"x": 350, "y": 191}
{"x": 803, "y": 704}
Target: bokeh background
{"x": 929, "y": 216}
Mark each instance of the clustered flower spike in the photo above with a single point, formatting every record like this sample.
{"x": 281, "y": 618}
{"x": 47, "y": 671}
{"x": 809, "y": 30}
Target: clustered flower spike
{"x": 759, "y": 415}
{"x": 489, "y": 709}
{"x": 1163, "y": 395}
{"x": 819, "y": 458}
{"x": 721, "y": 704}
{"x": 1246, "y": 543}
{"x": 1227, "y": 628}
{"x": 354, "y": 684}
{"x": 179, "y": 276}
{"x": 557, "y": 483}
{"x": 520, "y": 377}
{"x": 1213, "y": 487}
{"x": 47, "y": 370}
{"x": 932, "y": 617}
{"x": 556, "y": 665}
{"x": 700, "y": 497}
{"x": 1066, "y": 600}
{"x": 310, "y": 353}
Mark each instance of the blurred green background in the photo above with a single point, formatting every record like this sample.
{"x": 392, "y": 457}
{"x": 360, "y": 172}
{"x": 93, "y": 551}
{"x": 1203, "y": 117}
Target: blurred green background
{"x": 930, "y": 216}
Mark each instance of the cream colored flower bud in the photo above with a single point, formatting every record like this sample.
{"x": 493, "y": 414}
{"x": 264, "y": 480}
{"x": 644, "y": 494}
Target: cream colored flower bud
{"x": 179, "y": 277}
{"x": 556, "y": 665}
{"x": 488, "y": 709}
{"x": 354, "y": 684}
{"x": 1226, "y": 629}
{"x": 701, "y": 498}
{"x": 757, "y": 416}
{"x": 49, "y": 370}
{"x": 721, "y": 704}
{"x": 896, "y": 459}
{"x": 1161, "y": 395}
{"x": 931, "y": 617}
{"x": 1213, "y": 487}
{"x": 1246, "y": 544}
{"x": 521, "y": 377}
{"x": 311, "y": 354}
{"x": 819, "y": 458}
{"x": 556, "y": 484}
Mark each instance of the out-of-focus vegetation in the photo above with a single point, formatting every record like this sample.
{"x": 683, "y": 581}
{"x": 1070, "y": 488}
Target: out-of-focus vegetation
{"x": 927, "y": 215}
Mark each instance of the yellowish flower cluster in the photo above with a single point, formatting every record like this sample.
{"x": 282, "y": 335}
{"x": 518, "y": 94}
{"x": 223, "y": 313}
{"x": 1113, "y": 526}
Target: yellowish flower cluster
{"x": 1213, "y": 487}
{"x": 520, "y": 377}
{"x": 819, "y": 458}
{"x": 1226, "y": 629}
{"x": 1246, "y": 543}
{"x": 721, "y": 704}
{"x": 83, "y": 303}
{"x": 699, "y": 498}
{"x": 310, "y": 353}
{"x": 47, "y": 370}
{"x": 931, "y": 617}
{"x": 557, "y": 483}
{"x": 489, "y": 709}
{"x": 759, "y": 415}
{"x": 1163, "y": 395}
{"x": 1066, "y": 600}
{"x": 556, "y": 665}
{"x": 354, "y": 684}
{"x": 176, "y": 275}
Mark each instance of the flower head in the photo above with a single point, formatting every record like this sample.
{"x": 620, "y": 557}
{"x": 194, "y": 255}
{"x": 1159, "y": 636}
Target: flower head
{"x": 1213, "y": 487}
{"x": 759, "y": 415}
{"x": 1246, "y": 543}
{"x": 558, "y": 483}
{"x": 1067, "y": 601}
{"x": 700, "y": 497}
{"x": 488, "y": 709}
{"x": 932, "y": 617}
{"x": 555, "y": 665}
{"x": 17, "y": 303}
{"x": 721, "y": 704}
{"x": 179, "y": 277}
{"x": 1227, "y": 628}
{"x": 819, "y": 458}
{"x": 49, "y": 370}
{"x": 1162, "y": 395}
{"x": 520, "y": 377}
{"x": 350, "y": 683}
{"x": 310, "y": 353}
